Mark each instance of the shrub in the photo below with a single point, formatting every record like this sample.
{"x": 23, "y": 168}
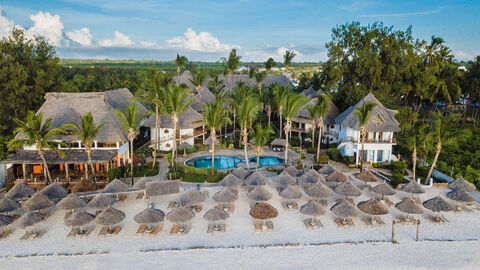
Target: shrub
{"x": 350, "y": 159}
{"x": 422, "y": 171}
{"x": 311, "y": 150}
{"x": 9, "y": 186}
{"x": 398, "y": 166}
{"x": 113, "y": 173}
{"x": 323, "y": 159}
{"x": 333, "y": 153}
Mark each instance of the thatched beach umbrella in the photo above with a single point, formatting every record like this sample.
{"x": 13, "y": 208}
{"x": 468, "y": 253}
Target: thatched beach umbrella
{"x": 115, "y": 186}
{"x": 383, "y": 189}
{"x": 461, "y": 183}
{"x": 109, "y": 217}
{"x": 409, "y": 206}
{"x": 216, "y": 214}
{"x": 29, "y": 219}
{"x": 413, "y": 187}
{"x": 327, "y": 169}
{"x": 241, "y": 173}
{"x": 337, "y": 177}
{"x": 368, "y": 176}
{"x": 159, "y": 188}
{"x": 284, "y": 179}
{"x": 348, "y": 189}
{"x": 312, "y": 208}
{"x": 310, "y": 178}
{"x": 184, "y": 146}
{"x": 290, "y": 192}
{"x": 319, "y": 190}
{"x": 101, "y": 201}
{"x": 84, "y": 185}
{"x": 231, "y": 181}
{"x": 8, "y": 205}
{"x": 192, "y": 197}
{"x": 225, "y": 195}
{"x": 140, "y": 184}
{"x": 256, "y": 179}
{"x": 37, "y": 202}
{"x": 150, "y": 216}
{"x": 263, "y": 210}
{"x": 373, "y": 207}
{"x": 54, "y": 191}
{"x": 20, "y": 192}
{"x": 345, "y": 209}
{"x": 5, "y": 220}
{"x": 259, "y": 194}
{"x": 71, "y": 202}
{"x": 79, "y": 219}
{"x": 292, "y": 171}
{"x": 460, "y": 195}
{"x": 180, "y": 214}
{"x": 438, "y": 204}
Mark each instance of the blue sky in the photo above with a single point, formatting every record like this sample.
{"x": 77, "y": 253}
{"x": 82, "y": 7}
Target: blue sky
{"x": 207, "y": 30}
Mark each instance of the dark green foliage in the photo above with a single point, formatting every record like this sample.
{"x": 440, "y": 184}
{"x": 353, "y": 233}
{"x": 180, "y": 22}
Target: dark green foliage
{"x": 398, "y": 166}
{"x": 9, "y": 186}
{"x": 323, "y": 159}
{"x": 192, "y": 174}
{"x": 311, "y": 150}
{"x": 113, "y": 173}
{"x": 350, "y": 159}
{"x": 334, "y": 154}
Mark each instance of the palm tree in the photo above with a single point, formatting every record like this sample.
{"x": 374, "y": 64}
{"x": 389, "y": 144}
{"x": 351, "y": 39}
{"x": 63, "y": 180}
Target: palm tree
{"x": 294, "y": 103}
{"x": 180, "y": 61}
{"x": 280, "y": 94}
{"x": 197, "y": 80}
{"x": 433, "y": 51}
{"x": 363, "y": 113}
{"x": 177, "y": 101}
{"x": 214, "y": 117}
{"x": 322, "y": 106}
{"x": 288, "y": 57}
{"x": 268, "y": 100}
{"x": 247, "y": 111}
{"x": 270, "y": 64}
{"x": 130, "y": 120}
{"x": 252, "y": 70}
{"x": 237, "y": 94}
{"x": 260, "y": 138}
{"x": 231, "y": 64}
{"x": 215, "y": 84}
{"x": 38, "y": 134}
{"x": 260, "y": 76}
{"x": 87, "y": 131}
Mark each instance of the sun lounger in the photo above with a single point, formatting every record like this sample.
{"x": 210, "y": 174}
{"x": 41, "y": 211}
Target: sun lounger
{"x": 434, "y": 219}
{"x": 401, "y": 219}
{"x": 15, "y": 217}
{"x": 103, "y": 231}
{"x": 37, "y": 235}
{"x": 257, "y": 225}
{"x": 86, "y": 232}
{"x": 26, "y": 235}
{"x": 139, "y": 196}
{"x": 115, "y": 230}
{"x": 269, "y": 225}
{"x": 349, "y": 221}
{"x": 174, "y": 229}
{"x": 5, "y": 234}
{"x": 210, "y": 228}
{"x": 223, "y": 227}
{"x": 388, "y": 202}
{"x": 122, "y": 197}
{"x": 443, "y": 218}
{"x": 367, "y": 220}
{"x": 156, "y": 230}
{"x": 197, "y": 208}
{"x": 73, "y": 232}
{"x": 379, "y": 220}
{"x": 185, "y": 229}
{"x": 308, "y": 223}
{"x": 339, "y": 222}
{"x": 141, "y": 229}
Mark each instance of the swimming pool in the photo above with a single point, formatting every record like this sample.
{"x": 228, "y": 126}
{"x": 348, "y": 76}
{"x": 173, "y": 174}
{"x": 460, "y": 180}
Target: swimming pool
{"x": 228, "y": 162}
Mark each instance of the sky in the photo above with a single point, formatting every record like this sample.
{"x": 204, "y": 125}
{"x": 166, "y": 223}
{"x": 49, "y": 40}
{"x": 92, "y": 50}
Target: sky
{"x": 207, "y": 30}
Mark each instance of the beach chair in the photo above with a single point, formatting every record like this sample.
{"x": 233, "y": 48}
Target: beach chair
{"x": 257, "y": 225}
{"x": 174, "y": 229}
{"x": 294, "y": 205}
{"x": 318, "y": 223}
{"x": 26, "y": 235}
{"x": 103, "y": 231}
{"x": 367, "y": 220}
{"x": 210, "y": 228}
{"x": 139, "y": 196}
{"x": 339, "y": 222}
{"x": 401, "y": 218}
{"x": 308, "y": 223}
{"x": 434, "y": 219}
{"x": 443, "y": 218}
{"x": 156, "y": 230}
{"x": 87, "y": 232}
{"x": 184, "y": 229}
{"x": 349, "y": 222}
{"x": 73, "y": 232}
{"x": 197, "y": 208}
{"x": 122, "y": 197}
{"x": 284, "y": 205}
{"x": 115, "y": 230}
{"x": 379, "y": 220}
{"x": 141, "y": 229}
{"x": 388, "y": 202}
{"x": 269, "y": 225}
{"x": 38, "y": 235}
{"x": 223, "y": 227}
{"x": 5, "y": 234}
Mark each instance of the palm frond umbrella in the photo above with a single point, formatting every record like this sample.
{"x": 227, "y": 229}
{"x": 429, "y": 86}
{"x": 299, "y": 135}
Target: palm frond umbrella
{"x": 290, "y": 192}
{"x": 256, "y": 179}
{"x": 413, "y": 187}
{"x": 115, "y": 186}
{"x": 84, "y": 185}
{"x": 373, "y": 207}
{"x": 348, "y": 189}
{"x": 263, "y": 210}
{"x": 319, "y": 190}
{"x": 461, "y": 183}
{"x": 20, "y": 192}
{"x": 225, "y": 195}
{"x": 159, "y": 188}
{"x": 101, "y": 201}
{"x": 367, "y": 176}
{"x": 383, "y": 189}
{"x": 259, "y": 194}
{"x": 8, "y": 205}
{"x": 184, "y": 146}
{"x": 327, "y": 169}
{"x": 192, "y": 197}
{"x": 337, "y": 177}
{"x": 438, "y": 204}
{"x": 345, "y": 209}
{"x": 460, "y": 195}
{"x": 284, "y": 179}
{"x": 79, "y": 219}
{"x": 37, "y": 202}
{"x": 292, "y": 171}
{"x": 54, "y": 191}
{"x": 312, "y": 208}
{"x": 29, "y": 219}
{"x": 241, "y": 173}
{"x": 5, "y": 220}
{"x": 109, "y": 217}
{"x": 140, "y": 184}
{"x": 149, "y": 216}
{"x": 230, "y": 181}
{"x": 71, "y": 202}
{"x": 216, "y": 214}
{"x": 180, "y": 215}
{"x": 310, "y": 178}
{"x": 409, "y": 206}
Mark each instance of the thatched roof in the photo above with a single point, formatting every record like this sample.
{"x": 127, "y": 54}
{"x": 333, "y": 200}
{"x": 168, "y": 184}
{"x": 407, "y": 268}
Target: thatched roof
{"x": 20, "y": 192}
{"x": 327, "y": 169}
{"x": 140, "y": 184}
{"x": 192, "y": 197}
{"x": 180, "y": 214}
{"x": 241, "y": 173}
{"x": 367, "y": 176}
{"x": 373, "y": 207}
{"x": 309, "y": 92}
{"x": 312, "y": 208}
{"x": 189, "y": 119}
{"x": 319, "y": 190}
{"x": 230, "y": 181}
{"x": 208, "y": 140}
{"x": 256, "y": 179}
{"x": 84, "y": 185}
{"x": 281, "y": 142}
{"x": 345, "y": 209}
{"x": 461, "y": 183}
{"x": 460, "y": 195}
{"x": 381, "y": 119}
{"x": 292, "y": 171}
{"x": 309, "y": 178}
{"x": 348, "y": 189}
{"x": 79, "y": 218}
{"x": 290, "y": 192}
{"x": 29, "y": 219}
{"x": 263, "y": 210}
{"x": 184, "y": 145}
{"x": 101, "y": 201}
{"x": 438, "y": 204}
{"x": 225, "y": 195}
{"x": 150, "y": 215}
{"x": 5, "y": 220}
{"x": 70, "y": 202}
{"x": 337, "y": 176}
{"x": 413, "y": 187}
{"x": 259, "y": 194}
{"x": 54, "y": 191}
{"x": 8, "y": 205}
{"x": 284, "y": 179}
{"x": 71, "y": 156}
{"x": 304, "y": 115}
{"x": 409, "y": 206}
{"x": 383, "y": 189}
{"x": 158, "y": 188}
{"x": 121, "y": 98}
{"x": 37, "y": 202}
{"x": 115, "y": 186}
{"x": 216, "y": 214}
{"x": 109, "y": 216}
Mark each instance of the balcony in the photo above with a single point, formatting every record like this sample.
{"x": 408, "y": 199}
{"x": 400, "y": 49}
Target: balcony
{"x": 375, "y": 141}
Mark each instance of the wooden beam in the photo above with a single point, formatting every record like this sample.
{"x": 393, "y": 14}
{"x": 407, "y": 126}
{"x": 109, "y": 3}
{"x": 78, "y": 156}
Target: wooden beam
{"x": 24, "y": 172}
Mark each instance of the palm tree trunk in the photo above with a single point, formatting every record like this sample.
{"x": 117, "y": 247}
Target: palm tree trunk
{"x": 280, "y": 127}
{"x": 157, "y": 119}
{"x": 131, "y": 159}
{"x": 320, "y": 130}
{"x": 89, "y": 155}
{"x": 245, "y": 141}
{"x": 363, "y": 148}
{"x": 46, "y": 172}
{"x": 414, "y": 161}
{"x": 174, "y": 145}
{"x": 178, "y": 74}
{"x": 258, "y": 160}
{"x": 313, "y": 134}
{"x": 269, "y": 113}
{"x": 212, "y": 135}
{"x": 287, "y": 129}
{"x": 234, "y": 121}
{"x": 437, "y": 153}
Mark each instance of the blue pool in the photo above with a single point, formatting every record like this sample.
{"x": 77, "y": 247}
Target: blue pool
{"x": 228, "y": 162}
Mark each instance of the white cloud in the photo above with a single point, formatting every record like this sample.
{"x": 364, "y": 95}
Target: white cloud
{"x": 82, "y": 36}
{"x": 119, "y": 40}
{"x": 148, "y": 44}
{"x": 281, "y": 51}
{"x": 6, "y": 25}
{"x": 407, "y": 14}
{"x": 203, "y": 41}
{"x": 48, "y": 26}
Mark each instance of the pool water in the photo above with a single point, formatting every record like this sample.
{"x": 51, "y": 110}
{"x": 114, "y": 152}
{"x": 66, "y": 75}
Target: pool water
{"x": 228, "y": 162}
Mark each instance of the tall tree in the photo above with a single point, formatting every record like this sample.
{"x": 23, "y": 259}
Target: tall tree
{"x": 180, "y": 61}
{"x": 252, "y": 70}
{"x": 280, "y": 94}
{"x": 322, "y": 107}
{"x": 288, "y": 57}
{"x": 259, "y": 77}
{"x": 198, "y": 80}
{"x": 237, "y": 94}
{"x": 471, "y": 84}
{"x": 215, "y": 84}
{"x": 294, "y": 103}
{"x": 268, "y": 101}
{"x": 231, "y": 64}
{"x": 247, "y": 112}
{"x": 363, "y": 113}
{"x": 260, "y": 138}
{"x": 270, "y": 64}
{"x": 313, "y": 111}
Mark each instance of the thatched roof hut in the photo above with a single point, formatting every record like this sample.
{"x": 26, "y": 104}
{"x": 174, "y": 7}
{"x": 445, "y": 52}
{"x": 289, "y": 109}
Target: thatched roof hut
{"x": 5, "y": 220}
{"x": 140, "y": 184}
{"x": 461, "y": 183}
{"x": 263, "y": 210}
{"x": 312, "y": 208}
{"x": 280, "y": 142}
{"x": 8, "y": 205}
{"x": 231, "y": 181}
{"x": 259, "y": 194}
{"x": 309, "y": 178}
{"x": 101, "y": 201}
{"x": 115, "y": 186}
{"x": 37, "y": 202}
{"x": 337, "y": 176}
{"x": 192, "y": 197}
{"x": 373, "y": 207}
{"x": 184, "y": 146}
{"x": 413, "y": 187}
{"x": 78, "y": 219}
{"x": 460, "y": 195}
{"x": 241, "y": 173}
{"x": 368, "y": 176}
{"x": 225, "y": 195}
{"x": 327, "y": 169}
{"x": 180, "y": 214}
{"x": 29, "y": 219}
{"x": 290, "y": 192}
{"x": 158, "y": 188}
{"x": 20, "y": 192}
{"x": 54, "y": 191}
{"x": 216, "y": 214}
{"x": 292, "y": 171}
{"x": 84, "y": 185}
{"x": 409, "y": 206}
{"x": 284, "y": 179}
{"x": 348, "y": 189}
{"x": 150, "y": 215}
{"x": 383, "y": 189}
{"x": 256, "y": 179}
{"x": 110, "y": 216}
{"x": 345, "y": 209}
{"x": 319, "y": 190}
{"x": 70, "y": 202}
{"x": 438, "y": 204}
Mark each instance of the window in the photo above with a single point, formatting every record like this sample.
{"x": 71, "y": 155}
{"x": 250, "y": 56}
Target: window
{"x": 165, "y": 131}
{"x": 167, "y": 145}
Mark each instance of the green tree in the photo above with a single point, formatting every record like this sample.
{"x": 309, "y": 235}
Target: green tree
{"x": 237, "y": 94}
{"x": 293, "y": 104}
{"x": 247, "y": 112}
{"x": 215, "y": 84}
{"x": 252, "y": 70}
{"x": 288, "y": 57}
{"x": 268, "y": 100}
{"x": 260, "y": 138}
{"x": 471, "y": 85}
{"x": 259, "y": 77}
{"x": 231, "y": 64}
{"x": 322, "y": 110}
{"x": 280, "y": 94}
{"x": 198, "y": 79}
{"x": 270, "y": 64}
{"x": 180, "y": 61}
{"x": 363, "y": 113}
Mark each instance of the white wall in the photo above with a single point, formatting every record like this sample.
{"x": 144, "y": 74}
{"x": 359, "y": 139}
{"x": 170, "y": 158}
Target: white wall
{"x": 166, "y": 137}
